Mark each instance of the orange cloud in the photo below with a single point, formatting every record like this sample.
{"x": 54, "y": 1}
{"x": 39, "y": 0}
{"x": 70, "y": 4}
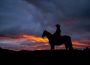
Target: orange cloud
{"x": 34, "y": 38}
{"x": 40, "y": 39}
{"x": 41, "y": 43}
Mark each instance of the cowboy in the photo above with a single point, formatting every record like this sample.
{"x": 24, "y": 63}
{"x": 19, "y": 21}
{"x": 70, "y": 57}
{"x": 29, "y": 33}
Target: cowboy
{"x": 57, "y": 34}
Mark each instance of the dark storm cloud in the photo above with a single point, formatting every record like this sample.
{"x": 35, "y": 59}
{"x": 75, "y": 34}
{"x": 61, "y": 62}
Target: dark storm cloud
{"x": 73, "y": 15}
{"x": 69, "y": 8}
{"x": 17, "y": 16}
{"x": 33, "y": 16}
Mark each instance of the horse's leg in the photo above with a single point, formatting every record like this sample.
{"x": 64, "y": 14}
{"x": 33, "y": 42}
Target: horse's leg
{"x": 69, "y": 44}
{"x": 52, "y": 47}
{"x": 66, "y": 46}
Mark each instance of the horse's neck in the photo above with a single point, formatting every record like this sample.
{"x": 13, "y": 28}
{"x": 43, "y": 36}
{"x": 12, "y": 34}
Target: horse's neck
{"x": 49, "y": 36}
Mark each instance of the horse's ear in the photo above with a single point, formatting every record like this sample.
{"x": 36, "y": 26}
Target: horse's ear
{"x": 43, "y": 36}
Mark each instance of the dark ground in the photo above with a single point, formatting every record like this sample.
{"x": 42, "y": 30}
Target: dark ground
{"x": 47, "y": 56}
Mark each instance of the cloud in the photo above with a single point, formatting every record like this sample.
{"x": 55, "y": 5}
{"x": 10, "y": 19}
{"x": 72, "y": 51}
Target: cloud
{"x": 34, "y": 16}
{"x": 73, "y": 15}
{"x": 36, "y": 43}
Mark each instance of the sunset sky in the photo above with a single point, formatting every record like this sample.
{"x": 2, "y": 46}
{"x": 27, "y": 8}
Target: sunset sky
{"x": 22, "y": 22}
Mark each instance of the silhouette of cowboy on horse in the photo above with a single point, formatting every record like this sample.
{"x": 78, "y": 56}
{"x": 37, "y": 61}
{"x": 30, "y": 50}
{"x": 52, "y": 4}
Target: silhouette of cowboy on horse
{"x": 58, "y": 39}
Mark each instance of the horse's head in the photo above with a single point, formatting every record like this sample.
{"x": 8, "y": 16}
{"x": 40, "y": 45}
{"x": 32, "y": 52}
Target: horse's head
{"x": 44, "y": 33}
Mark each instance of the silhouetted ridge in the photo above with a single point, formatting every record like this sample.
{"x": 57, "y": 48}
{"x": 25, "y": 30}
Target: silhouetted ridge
{"x": 85, "y": 52}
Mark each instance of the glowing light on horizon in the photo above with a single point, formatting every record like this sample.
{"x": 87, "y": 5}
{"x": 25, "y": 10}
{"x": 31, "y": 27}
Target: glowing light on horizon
{"x": 38, "y": 39}
{"x": 34, "y": 38}
{"x": 39, "y": 42}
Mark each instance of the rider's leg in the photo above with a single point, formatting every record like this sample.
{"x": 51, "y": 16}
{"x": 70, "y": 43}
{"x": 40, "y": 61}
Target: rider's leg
{"x": 52, "y": 47}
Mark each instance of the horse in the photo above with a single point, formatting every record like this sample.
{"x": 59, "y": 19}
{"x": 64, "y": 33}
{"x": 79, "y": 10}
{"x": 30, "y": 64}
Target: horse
{"x": 66, "y": 40}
